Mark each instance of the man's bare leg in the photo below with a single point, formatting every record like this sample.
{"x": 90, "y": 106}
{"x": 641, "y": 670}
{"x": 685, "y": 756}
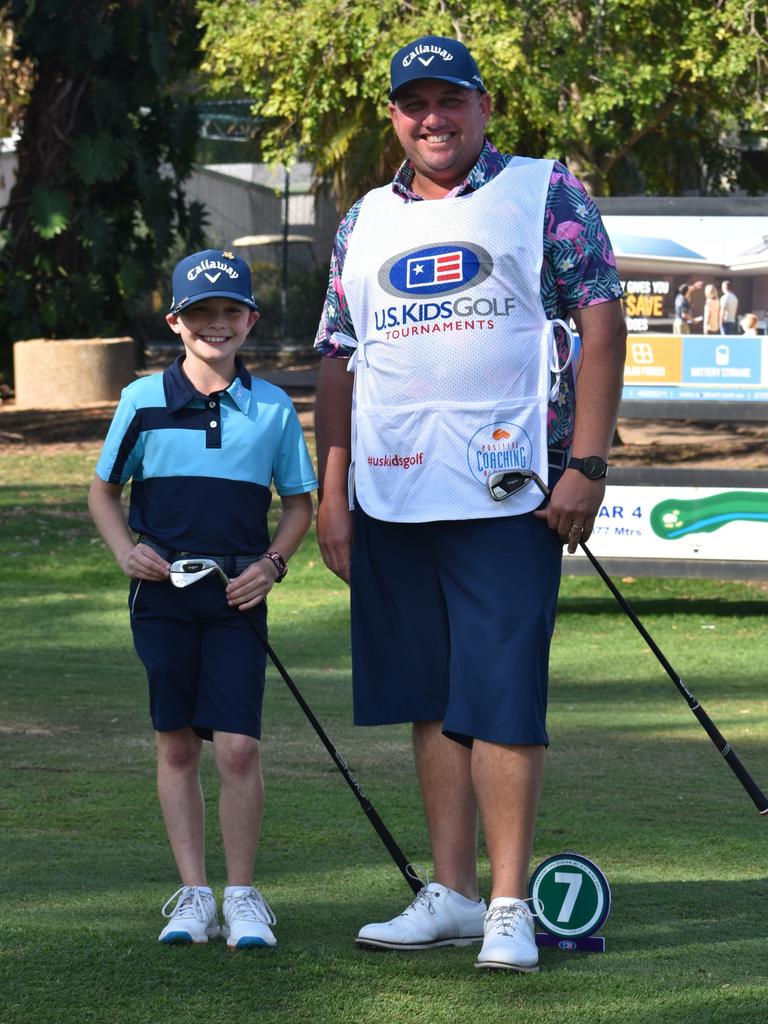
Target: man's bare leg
{"x": 507, "y": 780}
{"x": 241, "y": 802}
{"x": 444, "y": 769}
{"x": 439, "y": 917}
{"x": 181, "y": 801}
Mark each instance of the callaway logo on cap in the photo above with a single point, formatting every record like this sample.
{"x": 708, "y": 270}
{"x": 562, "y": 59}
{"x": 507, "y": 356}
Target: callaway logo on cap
{"x": 211, "y": 274}
{"x": 434, "y": 57}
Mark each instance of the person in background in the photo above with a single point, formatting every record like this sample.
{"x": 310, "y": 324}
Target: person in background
{"x": 729, "y": 307}
{"x": 711, "y": 310}
{"x": 749, "y": 323}
{"x": 683, "y": 315}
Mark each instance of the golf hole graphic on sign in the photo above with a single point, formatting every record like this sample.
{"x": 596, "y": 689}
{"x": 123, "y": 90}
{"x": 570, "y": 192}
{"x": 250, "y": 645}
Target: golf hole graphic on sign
{"x": 571, "y": 899}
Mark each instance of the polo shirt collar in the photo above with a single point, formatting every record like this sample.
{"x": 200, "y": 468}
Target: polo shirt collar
{"x": 180, "y": 392}
{"x": 487, "y": 166}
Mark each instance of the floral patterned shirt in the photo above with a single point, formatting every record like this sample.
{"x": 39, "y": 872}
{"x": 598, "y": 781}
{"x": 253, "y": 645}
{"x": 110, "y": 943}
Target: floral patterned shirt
{"x": 578, "y": 268}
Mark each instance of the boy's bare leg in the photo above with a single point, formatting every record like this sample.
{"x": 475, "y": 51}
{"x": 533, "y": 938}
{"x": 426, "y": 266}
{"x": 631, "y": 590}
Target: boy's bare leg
{"x": 241, "y": 802}
{"x": 181, "y": 800}
{"x": 507, "y": 780}
{"x": 444, "y": 769}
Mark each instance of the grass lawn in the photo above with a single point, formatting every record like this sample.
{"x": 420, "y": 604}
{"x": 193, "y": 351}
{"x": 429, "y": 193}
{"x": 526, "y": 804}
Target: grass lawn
{"x": 632, "y": 782}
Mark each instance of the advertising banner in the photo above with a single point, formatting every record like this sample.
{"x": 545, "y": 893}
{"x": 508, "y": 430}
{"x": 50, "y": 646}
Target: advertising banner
{"x": 709, "y": 367}
{"x": 719, "y": 360}
{"x": 682, "y": 523}
{"x": 653, "y": 359}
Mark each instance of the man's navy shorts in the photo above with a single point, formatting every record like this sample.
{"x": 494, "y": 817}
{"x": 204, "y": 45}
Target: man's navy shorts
{"x": 452, "y": 622}
{"x": 205, "y": 665}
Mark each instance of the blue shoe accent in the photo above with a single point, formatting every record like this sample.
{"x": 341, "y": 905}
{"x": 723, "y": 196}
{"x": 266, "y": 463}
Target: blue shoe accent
{"x": 249, "y": 941}
{"x": 177, "y": 938}
{"x": 193, "y": 919}
{"x": 247, "y": 919}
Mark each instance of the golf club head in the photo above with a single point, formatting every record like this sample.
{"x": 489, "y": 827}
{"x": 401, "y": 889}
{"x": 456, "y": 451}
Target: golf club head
{"x": 187, "y": 571}
{"x": 503, "y": 484}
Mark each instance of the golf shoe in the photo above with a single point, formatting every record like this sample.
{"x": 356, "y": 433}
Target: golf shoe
{"x": 194, "y": 918}
{"x": 510, "y": 942}
{"x": 437, "y": 917}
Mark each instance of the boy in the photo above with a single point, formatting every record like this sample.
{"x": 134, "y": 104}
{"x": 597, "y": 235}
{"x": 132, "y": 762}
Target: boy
{"x": 203, "y": 442}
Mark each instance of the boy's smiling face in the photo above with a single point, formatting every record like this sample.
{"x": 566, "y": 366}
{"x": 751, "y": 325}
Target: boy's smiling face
{"x": 213, "y": 330}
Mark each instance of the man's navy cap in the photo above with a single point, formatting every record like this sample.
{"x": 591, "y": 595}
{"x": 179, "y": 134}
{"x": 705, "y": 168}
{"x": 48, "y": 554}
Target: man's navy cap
{"x": 434, "y": 57}
{"x": 211, "y": 274}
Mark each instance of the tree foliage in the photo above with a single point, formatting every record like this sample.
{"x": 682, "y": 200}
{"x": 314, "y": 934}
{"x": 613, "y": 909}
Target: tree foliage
{"x": 106, "y": 144}
{"x": 15, "y": 78}
{"x": 635, "y": 97}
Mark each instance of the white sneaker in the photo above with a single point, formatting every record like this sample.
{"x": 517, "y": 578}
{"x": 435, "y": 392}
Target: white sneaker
{"x": 510, "y": 941}
{"x": 437, "y": 917}
{"x": 193, "y": 919}
{"x": 247, "y": 917}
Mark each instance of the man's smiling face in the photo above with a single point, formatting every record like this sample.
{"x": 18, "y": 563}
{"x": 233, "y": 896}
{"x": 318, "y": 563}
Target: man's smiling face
{"x": 441, "y": 127}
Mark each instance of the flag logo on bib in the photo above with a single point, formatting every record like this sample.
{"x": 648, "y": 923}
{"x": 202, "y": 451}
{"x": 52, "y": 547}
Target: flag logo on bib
{"x": 499, "y": 447}
{"x": 435, "y": 269}
{"x": 424, "y": 271}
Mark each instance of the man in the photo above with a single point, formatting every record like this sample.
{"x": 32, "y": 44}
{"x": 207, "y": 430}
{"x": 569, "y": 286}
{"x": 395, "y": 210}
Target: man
{"x": 729, "y": 307}
{"x": 683, "y": 316}
{"x": 444, "y": 289}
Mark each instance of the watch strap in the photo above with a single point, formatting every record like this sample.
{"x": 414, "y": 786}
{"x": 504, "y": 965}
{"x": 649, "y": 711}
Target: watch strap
{"x": 279, "y": 563}
{"x": 582, "y": 464}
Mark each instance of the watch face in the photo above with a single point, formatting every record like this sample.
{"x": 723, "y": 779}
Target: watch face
{"x": 594, "y": 467}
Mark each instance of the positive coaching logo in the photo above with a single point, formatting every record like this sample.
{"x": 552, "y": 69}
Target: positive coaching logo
{"x": 435, "y": 270}
{"x": 498, "y": 447}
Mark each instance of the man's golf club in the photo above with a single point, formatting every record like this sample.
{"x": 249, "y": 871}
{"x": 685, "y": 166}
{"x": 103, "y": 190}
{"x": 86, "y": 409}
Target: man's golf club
{"x": 501, "y": 486}
{"x": 184, "y": 573}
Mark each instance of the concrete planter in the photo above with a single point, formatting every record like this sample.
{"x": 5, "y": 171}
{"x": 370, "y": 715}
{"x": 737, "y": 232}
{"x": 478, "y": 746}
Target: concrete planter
{"x": 59, "y": 374}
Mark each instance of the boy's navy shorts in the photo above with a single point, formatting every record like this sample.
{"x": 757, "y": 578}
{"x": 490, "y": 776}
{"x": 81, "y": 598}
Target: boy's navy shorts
{"x": 205, "y": 665}
{"x": 452, "y": 622}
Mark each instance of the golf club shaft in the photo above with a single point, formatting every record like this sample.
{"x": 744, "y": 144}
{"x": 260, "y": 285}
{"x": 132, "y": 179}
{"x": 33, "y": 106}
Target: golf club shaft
{"x": 383, "y": 832}
{"x": 726, "y": 750}
{"x": 755, "y": 793}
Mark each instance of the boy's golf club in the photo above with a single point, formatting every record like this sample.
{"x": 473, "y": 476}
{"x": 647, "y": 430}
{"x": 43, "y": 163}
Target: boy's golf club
{"x": 501, "y": 486}
{"x": 184, "y": 573}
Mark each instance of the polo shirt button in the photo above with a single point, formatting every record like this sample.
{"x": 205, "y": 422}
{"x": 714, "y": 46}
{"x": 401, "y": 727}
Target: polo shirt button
{"x": 213, "y": 423}
{"x": 211, "y": 405}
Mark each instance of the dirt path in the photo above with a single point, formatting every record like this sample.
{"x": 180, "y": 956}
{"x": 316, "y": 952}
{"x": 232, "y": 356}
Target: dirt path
{"x": 691, "y": 444}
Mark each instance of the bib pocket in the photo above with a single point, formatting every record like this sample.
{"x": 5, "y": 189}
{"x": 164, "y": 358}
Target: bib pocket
{"x": 419, "y": 463}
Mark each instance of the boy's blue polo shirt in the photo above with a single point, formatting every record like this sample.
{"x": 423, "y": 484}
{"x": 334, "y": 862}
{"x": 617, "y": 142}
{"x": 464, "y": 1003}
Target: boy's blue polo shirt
{"x": 202, "y": 467}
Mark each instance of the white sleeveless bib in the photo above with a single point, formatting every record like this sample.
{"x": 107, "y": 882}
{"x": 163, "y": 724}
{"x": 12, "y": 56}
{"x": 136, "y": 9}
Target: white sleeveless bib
{"x": 455, "y": 358}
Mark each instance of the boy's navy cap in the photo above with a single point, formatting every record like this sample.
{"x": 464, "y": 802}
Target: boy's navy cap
{"x": 211, "y": 274}
{"x": 434, "y": 57}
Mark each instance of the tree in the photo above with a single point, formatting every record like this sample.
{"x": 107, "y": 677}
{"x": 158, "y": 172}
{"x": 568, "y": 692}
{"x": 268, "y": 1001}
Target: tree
{"x": 15, "y": 78}
{"x": 106, "y": 144}
{"x": 635, "y": 97}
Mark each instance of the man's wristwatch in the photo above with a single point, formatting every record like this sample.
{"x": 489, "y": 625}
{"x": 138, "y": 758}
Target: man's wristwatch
{"x": 279, "y": 563}
{"x": 592, "y": 466}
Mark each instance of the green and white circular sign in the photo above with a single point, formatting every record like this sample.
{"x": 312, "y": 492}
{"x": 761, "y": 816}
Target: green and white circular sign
{"x": 570, "y": 895}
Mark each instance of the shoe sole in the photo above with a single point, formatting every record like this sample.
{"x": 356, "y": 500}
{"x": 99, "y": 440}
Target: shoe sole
{"x": 185, "y": 939}
{"x": 251, "y": 943}
{"x": 497, "y": 965}
{"x": 383, "y": 944}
